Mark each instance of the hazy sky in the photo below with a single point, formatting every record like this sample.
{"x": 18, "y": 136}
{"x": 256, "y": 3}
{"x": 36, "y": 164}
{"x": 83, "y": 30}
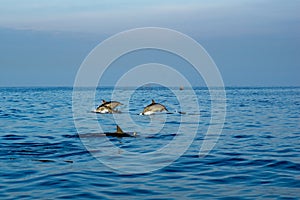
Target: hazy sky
{"x": 253, "y": 42}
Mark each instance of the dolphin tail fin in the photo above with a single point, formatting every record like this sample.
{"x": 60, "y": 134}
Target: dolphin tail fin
{"x": 119, "y": 130}
{"x": 153, "y": 101}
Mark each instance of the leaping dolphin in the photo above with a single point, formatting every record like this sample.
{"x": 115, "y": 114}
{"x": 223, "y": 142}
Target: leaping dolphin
{"x": 108, "y": 107}
{"x": 119, "y": 133}
{"x": 111, "y": 104}
{"x": 105, "y": 109}
{"x": 153, "y": 107}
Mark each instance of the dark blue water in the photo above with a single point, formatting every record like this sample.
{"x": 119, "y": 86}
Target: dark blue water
{"x": 257, "y": 156}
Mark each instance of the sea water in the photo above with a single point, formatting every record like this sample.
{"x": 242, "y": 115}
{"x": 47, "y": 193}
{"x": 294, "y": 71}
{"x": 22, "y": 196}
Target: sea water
{"x": 257, "y": 155}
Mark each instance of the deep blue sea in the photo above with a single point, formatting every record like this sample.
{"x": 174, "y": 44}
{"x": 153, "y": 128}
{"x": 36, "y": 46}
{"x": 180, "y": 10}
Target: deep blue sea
{"x": 257, "y": 155}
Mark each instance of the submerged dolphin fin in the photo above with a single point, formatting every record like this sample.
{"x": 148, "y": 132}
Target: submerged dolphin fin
{"x": 153, "y": 101}
{"x": 119, "y": 130}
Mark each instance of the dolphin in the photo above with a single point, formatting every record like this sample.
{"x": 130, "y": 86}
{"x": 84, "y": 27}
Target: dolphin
{"x": 111, "y": 104}
{"x": 119, "y": 133}
{"x": 108, "y": 107}
{"x": 153, "y": 107}
{"x": 105, "y": 109}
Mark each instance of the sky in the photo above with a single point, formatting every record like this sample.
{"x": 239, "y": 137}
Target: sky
{"x": 252, "y": 42}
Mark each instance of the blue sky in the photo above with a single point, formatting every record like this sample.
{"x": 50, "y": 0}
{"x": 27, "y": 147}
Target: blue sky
{"x": 253, "y": 42}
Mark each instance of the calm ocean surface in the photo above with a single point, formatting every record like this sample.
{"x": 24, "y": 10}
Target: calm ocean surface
{"x": 257, "y": 155}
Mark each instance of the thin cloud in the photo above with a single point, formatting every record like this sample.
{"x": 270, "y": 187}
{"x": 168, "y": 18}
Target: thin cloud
{"x": 207, "y": 18}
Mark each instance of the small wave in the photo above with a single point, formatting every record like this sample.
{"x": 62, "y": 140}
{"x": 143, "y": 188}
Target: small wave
{"x": 13, "y": 137}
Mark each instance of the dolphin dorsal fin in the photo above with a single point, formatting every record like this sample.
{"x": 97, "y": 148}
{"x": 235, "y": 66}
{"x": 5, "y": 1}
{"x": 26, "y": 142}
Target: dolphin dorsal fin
{"x": 153, "y": 101}
{"x": 103, "y": 101}
{"x": 119, "y": 130}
